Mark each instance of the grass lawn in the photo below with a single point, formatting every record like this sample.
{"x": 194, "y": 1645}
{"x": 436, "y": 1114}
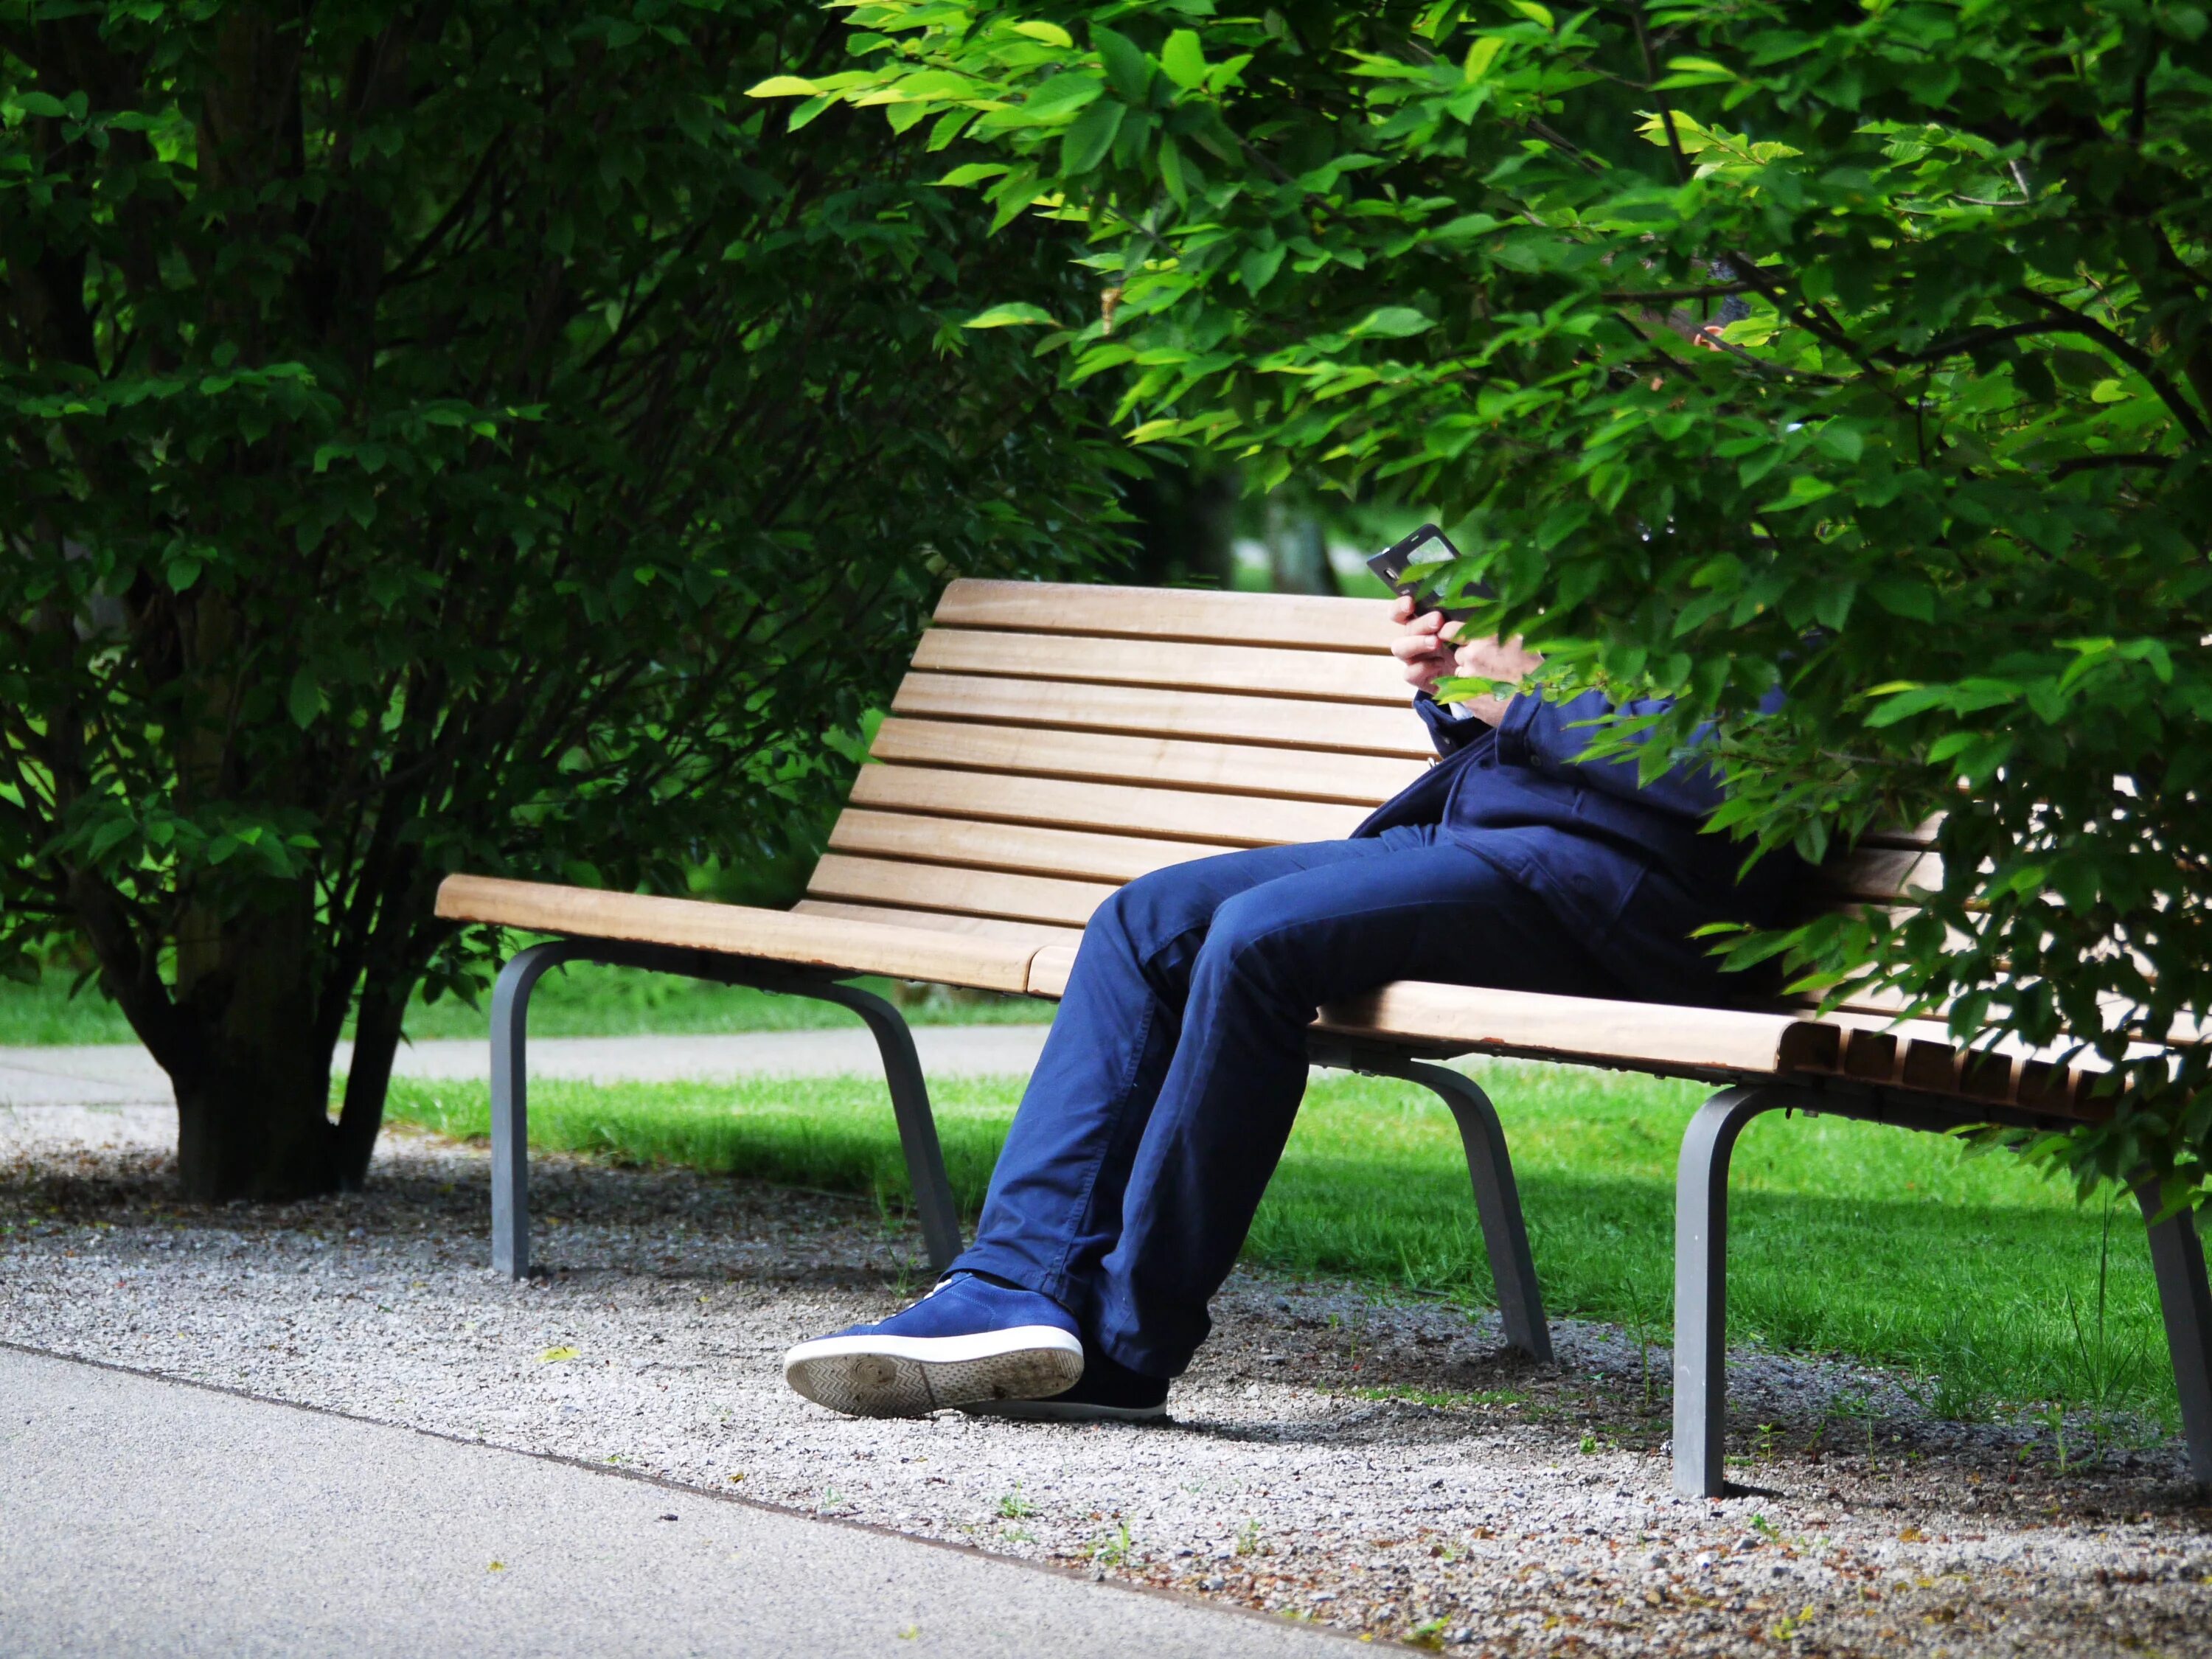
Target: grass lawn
{"x": 1968, "y": 1270}
{"x": 582, "y": 1000}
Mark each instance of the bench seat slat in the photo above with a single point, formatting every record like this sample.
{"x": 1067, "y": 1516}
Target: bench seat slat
{"x": 1036, "y": 933}
{"x": 1298, "y": 774}
{"x": 1224, "y": 820}
{"x": 966, "y": 892}
{"x": 1880, "y": 874}
{"x": 1313, "y": 621}
{"x": 1697, "y": 1041}
{"x": 1080, "y": 855}
{"x": 990, "y": 965}
{"x": 1328, "y": 676}
{"x": 1146, "y": 711}
{"x": 1465, "y": 1019}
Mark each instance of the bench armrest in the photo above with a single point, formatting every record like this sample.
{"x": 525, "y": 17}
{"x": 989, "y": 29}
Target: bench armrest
{"x": 837, "y": 943}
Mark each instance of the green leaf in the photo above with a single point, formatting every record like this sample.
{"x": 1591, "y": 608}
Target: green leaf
{"x": 1060, "y": 95}
{"x": 1901, "y": 597}
{"x": 1184, "y": 59}
{"x": 1006, "y": 316}
{"x": 1258, "y": 267}
{"x": 1172, "y": 173}
{"x": 1128, "y": 71}
{"x": 974, "y": 172}
{"x": 110, "y": 835}
{"x": 305, "y": 700}
{"x": 1481, "y": 56}
{"x": 1051, "y": 34}
{"x": 1391, "y": 323}
{"x": 805, "y": 112}
{"x": 782, "y": 86}
{"x": 1087, "y": 141}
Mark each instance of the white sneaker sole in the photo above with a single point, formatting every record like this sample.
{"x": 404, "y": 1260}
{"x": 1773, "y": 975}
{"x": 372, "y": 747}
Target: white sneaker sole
{"x": 914, "y": 1375}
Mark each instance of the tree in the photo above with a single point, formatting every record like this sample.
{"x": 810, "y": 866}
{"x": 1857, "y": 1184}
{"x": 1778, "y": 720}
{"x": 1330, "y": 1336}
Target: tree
{"x": 1943, "y": 481}
{"x": 455, "y": 434}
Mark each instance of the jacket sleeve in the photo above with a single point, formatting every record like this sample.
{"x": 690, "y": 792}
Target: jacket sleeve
{"x": 1448, "y": 734}
{"x": 1548, "y": 737}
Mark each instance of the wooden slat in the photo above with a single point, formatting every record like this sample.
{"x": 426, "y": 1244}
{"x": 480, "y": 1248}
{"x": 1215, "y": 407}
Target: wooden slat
{"x": 1036, "y": 933}
{"x": 1155, "y": 613}
{"x": 1870, "y": 1055}
{"x": 1709, "y": 1043}
{"x": 992, "y": 964}
{"x": 1328, "y": 676}
{"x": 1226, "y": 820}
{"x": 1027, "y": 849}
{"x": 969, "y": 892}
{"x": 1700, "y": 1041}
{"x": 1344, "y": 728}
{"x": 1295, "y": 774}
{"x": 1921, "y": 1055}
{"x": 1881, "y": 874}
{"x": 1638, "y": 1035}
{"x": 1921, "y": 835}
{"x": 1049, "y": 969}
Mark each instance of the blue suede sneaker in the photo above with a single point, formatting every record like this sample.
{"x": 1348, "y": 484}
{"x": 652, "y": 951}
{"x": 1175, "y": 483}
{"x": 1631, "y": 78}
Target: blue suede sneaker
{"x": 969, "y": 1339}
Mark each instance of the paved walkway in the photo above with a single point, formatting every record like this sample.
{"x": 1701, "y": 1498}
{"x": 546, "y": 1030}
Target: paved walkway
{"x": 151, "y": 1518}
{"x": 124, "y": 1074}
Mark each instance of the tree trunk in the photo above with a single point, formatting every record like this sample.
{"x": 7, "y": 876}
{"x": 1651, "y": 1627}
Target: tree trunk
{"x": 1298, "y": 549}
{"x": 375, "y": 1044}
{"x": 250, "y": 1064}
{"x": 254, "y": 1122}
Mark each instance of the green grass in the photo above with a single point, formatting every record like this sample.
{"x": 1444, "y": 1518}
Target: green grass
{"x": 1969, "y": 1271}
{"x": 582, "y": 1000}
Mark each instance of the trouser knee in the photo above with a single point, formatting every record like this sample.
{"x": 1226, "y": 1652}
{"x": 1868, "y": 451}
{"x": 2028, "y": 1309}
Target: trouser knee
{"x": 1247, "y": 951}
{"x": 1150, "y": 912}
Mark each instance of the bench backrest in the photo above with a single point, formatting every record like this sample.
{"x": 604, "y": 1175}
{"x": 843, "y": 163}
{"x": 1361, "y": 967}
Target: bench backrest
{"x": 1051, "y": 741}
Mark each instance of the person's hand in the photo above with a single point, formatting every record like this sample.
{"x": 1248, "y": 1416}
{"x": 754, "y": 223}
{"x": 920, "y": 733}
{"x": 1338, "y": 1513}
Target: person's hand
{"x": 1422, "y": 650}
{"x": 1431, "y": 648}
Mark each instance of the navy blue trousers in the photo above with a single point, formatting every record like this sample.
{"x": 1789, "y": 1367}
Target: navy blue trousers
{"x": 1162, "y": 1099}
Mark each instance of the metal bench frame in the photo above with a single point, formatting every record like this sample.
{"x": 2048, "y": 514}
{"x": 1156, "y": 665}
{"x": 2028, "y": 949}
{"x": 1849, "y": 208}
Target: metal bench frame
{"x": 1701, "y": 1188}
{"x": 1701, "y": 1264}
{"x": 1489, "y": 1167}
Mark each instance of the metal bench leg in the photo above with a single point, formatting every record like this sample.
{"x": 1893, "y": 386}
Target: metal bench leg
{"x": 1497, "y": 1203}
{"x": 1701, "y": 1286}
{"x": 2176, "y": 1259}
{"x": 510, "y": 1109}
{"x": 925, "y": 1158}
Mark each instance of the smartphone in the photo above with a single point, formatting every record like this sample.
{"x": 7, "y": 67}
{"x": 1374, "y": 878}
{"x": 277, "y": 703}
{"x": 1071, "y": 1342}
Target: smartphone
{"x": 1427, "y": 546}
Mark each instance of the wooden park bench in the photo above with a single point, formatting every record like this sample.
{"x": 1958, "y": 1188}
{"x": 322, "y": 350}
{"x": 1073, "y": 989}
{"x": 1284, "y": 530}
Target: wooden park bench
{"x": 1050, "y": 742}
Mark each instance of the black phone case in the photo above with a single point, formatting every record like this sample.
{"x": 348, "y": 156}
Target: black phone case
{"x": 1390, "y": 564}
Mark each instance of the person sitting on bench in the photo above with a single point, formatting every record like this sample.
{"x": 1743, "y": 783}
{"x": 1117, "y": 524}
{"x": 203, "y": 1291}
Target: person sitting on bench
{"x": 1166, "y": 1090}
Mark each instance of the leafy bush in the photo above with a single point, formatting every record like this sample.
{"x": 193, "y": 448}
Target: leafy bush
{"x": 1943, "y": 479}
{"x": 455, "y": 434}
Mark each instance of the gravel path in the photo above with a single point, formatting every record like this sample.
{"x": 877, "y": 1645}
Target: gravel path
{"x": 1379, "y": 1468}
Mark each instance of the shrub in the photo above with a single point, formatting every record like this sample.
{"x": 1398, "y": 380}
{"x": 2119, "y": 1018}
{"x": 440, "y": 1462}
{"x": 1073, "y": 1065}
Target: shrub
{"x": 1943, "y": 481}
{"x": 448, "y": 435}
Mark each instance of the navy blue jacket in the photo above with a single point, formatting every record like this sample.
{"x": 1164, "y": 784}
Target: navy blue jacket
{"x": 1626, "y": 865}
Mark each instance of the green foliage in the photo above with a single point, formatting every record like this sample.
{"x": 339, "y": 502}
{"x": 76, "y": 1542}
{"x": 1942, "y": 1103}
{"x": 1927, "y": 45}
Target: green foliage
{"x": 1943, "y": 483}
{"x": 458, "y": 435}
